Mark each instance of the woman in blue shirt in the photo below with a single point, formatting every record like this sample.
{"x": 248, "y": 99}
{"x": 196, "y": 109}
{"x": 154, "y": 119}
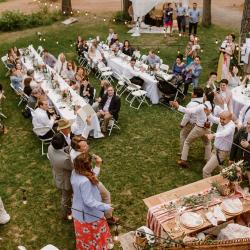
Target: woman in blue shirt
{"x": 179, "y": 66}
{"x": 91, "y": 228}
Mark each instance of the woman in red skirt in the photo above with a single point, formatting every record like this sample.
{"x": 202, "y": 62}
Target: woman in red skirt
{"x": 91, "y": 228}
{"x": 168, "y": 18}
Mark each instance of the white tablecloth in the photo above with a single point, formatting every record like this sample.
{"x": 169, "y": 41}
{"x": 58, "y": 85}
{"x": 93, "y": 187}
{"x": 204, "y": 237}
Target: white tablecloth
{"x": 120, "y": 66}
{"x": 64, "y": 109}
{"x": 239, "y": 99}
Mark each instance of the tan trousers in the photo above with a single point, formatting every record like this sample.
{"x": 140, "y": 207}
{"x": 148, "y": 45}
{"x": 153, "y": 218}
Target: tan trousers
{"x": 66, "y": 202}
{"x": 106, "y": 198}
{"x": 184, "y": 134}
{"x": 213, "y": 162}
{"x": 196, "y": 133}
{"x": 105, "y": 123}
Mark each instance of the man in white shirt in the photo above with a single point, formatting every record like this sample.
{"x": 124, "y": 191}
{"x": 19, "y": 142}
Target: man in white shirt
{"x": 223, "y": 139}
{"x": 243, "y": 116}
{"x": 41, "y": 119}
{"x": 189, "y": 120}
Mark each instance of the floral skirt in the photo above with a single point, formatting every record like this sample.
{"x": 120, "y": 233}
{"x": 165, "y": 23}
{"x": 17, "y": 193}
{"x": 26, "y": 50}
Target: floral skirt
{"x": 92, "y": 236}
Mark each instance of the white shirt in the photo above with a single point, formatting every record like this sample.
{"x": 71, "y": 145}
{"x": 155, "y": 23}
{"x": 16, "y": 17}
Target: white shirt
{"x": 191, "y": 118}
{"x": 198, "y": 110}
{"x": 73, "y": 154}
{"x": 79, "y": 127}
{"x": 224, "y": 134}
{"x": 244, "y": 116}
{"x": 40, "y": 119}
{"x": 107, "y": 104}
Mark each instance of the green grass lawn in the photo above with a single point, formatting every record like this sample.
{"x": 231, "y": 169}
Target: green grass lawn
{"x": 139, "y": 160}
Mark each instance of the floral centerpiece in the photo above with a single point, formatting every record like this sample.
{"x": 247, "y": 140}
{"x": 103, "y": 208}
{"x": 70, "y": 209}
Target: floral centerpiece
{"x": 65, "y": 94}
{"x": 55, "y": 84}
{"x": 233, "y": 173}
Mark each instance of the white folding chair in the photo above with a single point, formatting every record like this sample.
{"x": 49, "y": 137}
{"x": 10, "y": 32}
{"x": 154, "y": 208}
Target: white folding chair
{"x": 44, "y": 141}
{"x": 88, "y": 62}
{"x": 23, "y": 96}
{"x": 4, "y": 60}
{"x": 40, "y": 50}
{"x": 144, "y": 58}
{"x": 164, "y": 67}
{"x": 112, "y": 124}
{"x": 131, "y": 87}
{"x": 120, "y": 83}
{"x": 140, "y": 96}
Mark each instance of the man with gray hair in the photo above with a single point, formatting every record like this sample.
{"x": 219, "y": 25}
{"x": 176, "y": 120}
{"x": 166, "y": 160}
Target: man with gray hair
{"x": 223, "y": 139}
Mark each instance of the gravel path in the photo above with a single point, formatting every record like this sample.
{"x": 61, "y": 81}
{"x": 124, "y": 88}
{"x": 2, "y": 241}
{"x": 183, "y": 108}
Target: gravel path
{"x": 224, "y": 12}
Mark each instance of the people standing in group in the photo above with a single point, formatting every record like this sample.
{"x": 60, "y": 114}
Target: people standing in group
{"x": 181, "y": 18}
{"x": 223, "y": 139}
{"x": 194, "y": 15}
{"x": 201, "y": 128}
{"x": 168, "y": 17}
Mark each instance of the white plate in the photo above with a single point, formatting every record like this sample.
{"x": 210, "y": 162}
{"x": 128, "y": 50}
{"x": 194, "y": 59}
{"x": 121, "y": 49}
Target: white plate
{"x": 191, "y": 219}
{"x": 232, "y": 206}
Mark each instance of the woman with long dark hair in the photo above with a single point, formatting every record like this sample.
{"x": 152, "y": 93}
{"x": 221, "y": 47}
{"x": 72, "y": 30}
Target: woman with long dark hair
{"x": 91, "y": 228}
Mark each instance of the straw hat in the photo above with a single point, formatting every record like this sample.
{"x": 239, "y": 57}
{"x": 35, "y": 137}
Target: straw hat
{"x": 63, "y": 123}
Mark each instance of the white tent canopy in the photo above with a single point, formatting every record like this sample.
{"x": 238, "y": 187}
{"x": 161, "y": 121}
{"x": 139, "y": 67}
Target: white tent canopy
{"x": 142, "y": 7}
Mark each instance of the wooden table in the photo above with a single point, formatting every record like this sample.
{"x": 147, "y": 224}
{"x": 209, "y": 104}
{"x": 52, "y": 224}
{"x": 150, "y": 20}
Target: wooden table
{"x": 179, "y": 192}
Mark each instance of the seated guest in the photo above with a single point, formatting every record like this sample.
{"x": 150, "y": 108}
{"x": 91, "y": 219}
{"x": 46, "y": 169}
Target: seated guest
{"x": 109, "y": 108}
{"x": 74, "y": 85}
{"x": 104, "y": 86}
{"x": 11, "y": 57}
{"x": 81, "y": 46}
{"x": 211, "y": 83}
{"x": 41, "y": 118}
{"x": 80, "y": 74}
{"x": 27, "y": 88}
{"x": 132, "y": 73}
{"x": 241, "y": 146}
{"x": 48, "y": 58}
{"x": 87, "y": 91}
{"x": 95, "y": 56}
{"x": 127, "y": 49}
{"x": 179, "y": 66}
{"x": 116, "y": 46}
{"x": 136, "y": 53}
{"x": 19, "y": 68}
{"x": 244, "y": 116}
{"x": 62, "y": 168}
{"x": 189, "y": 120}
{"x": 223, "y": 97}
{"x": 64, "y": 128}
{"x": 61, "y": 65}
{"x": 110, "y": 36}
{"x": 34, "y": 97}
{"x": 113, "y": 39}
{"x": 16, "y": 79}
{"x": 80, "y": 127}
{"x": 223, "y": 139}
{"x": 70, "y": 71}
{"x": 4, "y": 216}
{"x": 152, "y": 59}
{"x": 192, "y": 74}
{"x": 89, "y": 222}
{"x": 31, "y": 74}
{"x": 233, "y": 78}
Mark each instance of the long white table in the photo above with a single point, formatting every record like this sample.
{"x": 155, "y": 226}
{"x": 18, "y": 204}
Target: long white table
{"x": 239, "y": 99}
{"x": 64, "y": 109}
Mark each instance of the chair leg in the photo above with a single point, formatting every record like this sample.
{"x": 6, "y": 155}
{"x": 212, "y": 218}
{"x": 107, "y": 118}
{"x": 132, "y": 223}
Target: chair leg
{"x": 42, "y": 148}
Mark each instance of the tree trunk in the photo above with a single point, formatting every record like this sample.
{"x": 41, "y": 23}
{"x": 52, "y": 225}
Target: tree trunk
{"x": 206, "y": 17}
{"x": 66, "y": 7}
{"x": 125, "y": 6}
{"x": 245, "y": 22}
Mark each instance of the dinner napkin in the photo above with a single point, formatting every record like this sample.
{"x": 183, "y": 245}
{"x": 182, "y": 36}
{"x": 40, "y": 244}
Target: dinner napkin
{"x": 210, "y": 216}
{"x": 218, "y": 214}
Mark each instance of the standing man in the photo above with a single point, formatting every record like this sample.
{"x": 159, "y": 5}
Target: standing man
{"x": 61, "y": 168}
{"x": 223, "y": 139}
{"x": 194, "y": 15}
{"x": 181, "y": 12}
{"x": 189, "y": 120}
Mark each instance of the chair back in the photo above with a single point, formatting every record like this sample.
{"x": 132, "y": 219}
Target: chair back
{"x": 40, "y": 50}
{"x": 144, "y": 58}
{"x": 4, "y": 60}
{"x": 41, "y": 130}
{"x": 164, "y": 67}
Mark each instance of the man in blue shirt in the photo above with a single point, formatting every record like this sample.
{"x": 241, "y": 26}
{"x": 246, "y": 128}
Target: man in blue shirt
{"x": 181, "y": 12}
{"x": 194, "y": 15}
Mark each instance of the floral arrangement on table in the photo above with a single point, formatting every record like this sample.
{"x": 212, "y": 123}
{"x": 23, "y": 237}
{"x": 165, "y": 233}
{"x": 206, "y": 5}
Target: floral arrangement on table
{"x": 233, "y": 173}
{"x": 55, "y": 84}
{"x": 65, "y": 94}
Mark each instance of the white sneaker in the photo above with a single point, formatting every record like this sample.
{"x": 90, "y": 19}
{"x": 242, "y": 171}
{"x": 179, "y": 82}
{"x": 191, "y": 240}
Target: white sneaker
{"x": 4, "y": 218}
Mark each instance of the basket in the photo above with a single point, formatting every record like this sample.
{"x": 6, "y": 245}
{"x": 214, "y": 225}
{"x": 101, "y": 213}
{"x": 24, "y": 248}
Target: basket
{"x": 237, "y": 244}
